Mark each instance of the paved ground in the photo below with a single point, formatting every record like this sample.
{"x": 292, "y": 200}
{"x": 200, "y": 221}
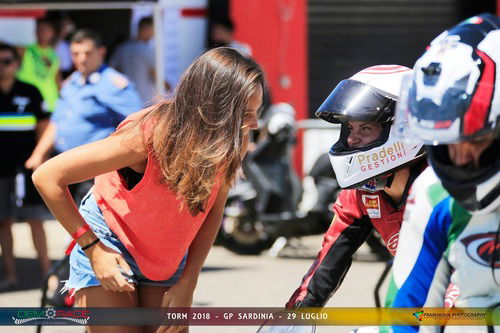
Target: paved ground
{"x": 227, "y": 280}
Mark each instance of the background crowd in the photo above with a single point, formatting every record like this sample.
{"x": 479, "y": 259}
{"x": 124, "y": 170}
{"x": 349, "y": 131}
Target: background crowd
{"x": 63, "y": 91}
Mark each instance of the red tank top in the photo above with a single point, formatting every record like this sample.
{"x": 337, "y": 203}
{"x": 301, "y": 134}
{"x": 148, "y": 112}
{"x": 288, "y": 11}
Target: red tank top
{"x": 147, "y": 219}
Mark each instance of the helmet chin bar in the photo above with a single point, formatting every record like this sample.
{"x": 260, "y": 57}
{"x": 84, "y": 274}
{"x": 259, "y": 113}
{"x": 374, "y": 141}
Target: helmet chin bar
{"x": 378, "y": 183}
{"x": 355, "y": 168}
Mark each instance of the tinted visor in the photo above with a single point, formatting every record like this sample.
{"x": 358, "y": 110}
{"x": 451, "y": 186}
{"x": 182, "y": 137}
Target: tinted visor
{"x": 452, "y": 106}
{"x": 456, "y": 105}
{"x": 354, "y": 100}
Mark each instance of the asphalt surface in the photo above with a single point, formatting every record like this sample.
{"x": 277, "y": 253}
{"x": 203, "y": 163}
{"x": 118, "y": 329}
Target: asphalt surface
{"x": 227, "y": 280}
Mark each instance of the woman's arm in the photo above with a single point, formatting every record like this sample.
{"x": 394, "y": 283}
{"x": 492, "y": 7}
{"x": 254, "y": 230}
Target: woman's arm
{"x": 202, "y": 243}
{"x": 180, "y": 295}
{"x": 53, "y": 177}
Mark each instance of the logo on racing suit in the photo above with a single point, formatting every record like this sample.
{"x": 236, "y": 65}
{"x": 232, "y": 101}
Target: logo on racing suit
{"x": 372, "y": 204}
{"x": 392, "y": 243}
{"x": 483, "y": 248}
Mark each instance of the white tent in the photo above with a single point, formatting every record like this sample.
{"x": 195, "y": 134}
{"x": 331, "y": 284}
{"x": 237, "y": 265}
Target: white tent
{"x": 178, "y": 38}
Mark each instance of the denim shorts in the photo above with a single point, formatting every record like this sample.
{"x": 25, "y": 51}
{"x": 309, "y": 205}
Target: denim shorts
{"x": 81, "y": 274}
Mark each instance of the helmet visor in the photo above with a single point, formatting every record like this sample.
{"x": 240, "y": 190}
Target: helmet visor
{"x": 354, "y": 100}
{"x": 443, "y": 113}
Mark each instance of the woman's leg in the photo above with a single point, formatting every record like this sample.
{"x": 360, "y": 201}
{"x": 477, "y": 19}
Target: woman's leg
{"x": 151, "y": 297}
{"x": 97, "y": 297}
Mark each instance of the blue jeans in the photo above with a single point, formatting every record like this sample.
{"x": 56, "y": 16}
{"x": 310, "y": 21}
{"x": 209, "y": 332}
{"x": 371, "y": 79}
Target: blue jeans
{"x": 81, "y": 274}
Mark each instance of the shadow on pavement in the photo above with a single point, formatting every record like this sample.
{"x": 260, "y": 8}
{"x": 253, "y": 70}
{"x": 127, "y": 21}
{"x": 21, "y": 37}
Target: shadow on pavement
{"x": 300, "y": 256}
{"x": 28, "y": 274}
{"x": 361, "y": 257}
{"x": 207, "y": 269}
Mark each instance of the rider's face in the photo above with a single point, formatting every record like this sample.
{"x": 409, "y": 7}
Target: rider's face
{"x": 470, "y": 151}
{"x": 362, "y": 133}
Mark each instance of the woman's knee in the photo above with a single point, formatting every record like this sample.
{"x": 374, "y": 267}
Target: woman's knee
{"x": 97, "y": 297}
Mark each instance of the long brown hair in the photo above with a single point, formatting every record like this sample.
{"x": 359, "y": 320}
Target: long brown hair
{"x": 198, "y": 134}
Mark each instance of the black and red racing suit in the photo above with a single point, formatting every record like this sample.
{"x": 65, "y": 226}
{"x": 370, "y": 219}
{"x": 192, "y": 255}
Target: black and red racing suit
{"x": 356, "y": 213}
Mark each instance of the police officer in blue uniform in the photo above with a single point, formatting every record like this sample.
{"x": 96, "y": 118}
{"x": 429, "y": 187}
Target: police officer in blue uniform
{"x": 91, "y": 107}
{"x": 93, "y": 101}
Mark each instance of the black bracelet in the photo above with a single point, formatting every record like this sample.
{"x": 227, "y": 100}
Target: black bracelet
{"x": 88, "y": 246}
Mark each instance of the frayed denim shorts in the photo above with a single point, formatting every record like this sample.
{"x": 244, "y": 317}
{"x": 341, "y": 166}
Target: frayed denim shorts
{"x": 81, "y": 274}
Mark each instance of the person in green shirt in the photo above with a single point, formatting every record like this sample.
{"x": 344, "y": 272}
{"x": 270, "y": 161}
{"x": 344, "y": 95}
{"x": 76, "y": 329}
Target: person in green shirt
{"x": 40, "y": 64}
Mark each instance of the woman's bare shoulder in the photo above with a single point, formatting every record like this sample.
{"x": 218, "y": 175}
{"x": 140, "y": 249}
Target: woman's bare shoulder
{"x": 88, "y": 161}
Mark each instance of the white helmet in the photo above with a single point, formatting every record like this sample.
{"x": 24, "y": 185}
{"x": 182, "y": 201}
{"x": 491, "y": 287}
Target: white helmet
{"x": 370, "y": 96}
{"x": 454, "y": 96}
{"x": 279, "y": 116}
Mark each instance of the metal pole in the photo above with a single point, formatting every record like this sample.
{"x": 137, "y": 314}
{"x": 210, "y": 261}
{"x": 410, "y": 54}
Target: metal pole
{"x": 376, "y": 292}
{"x": 159, "y": 51}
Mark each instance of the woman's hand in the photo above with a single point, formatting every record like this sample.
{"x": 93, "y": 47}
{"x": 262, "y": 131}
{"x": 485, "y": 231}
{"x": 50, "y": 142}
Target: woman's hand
{"x": 106, "y": 264}
{"x": 180, "y": 295}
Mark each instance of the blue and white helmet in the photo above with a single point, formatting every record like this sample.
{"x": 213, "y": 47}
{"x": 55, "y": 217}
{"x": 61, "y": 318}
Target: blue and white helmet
{"x": 452, "y": 97}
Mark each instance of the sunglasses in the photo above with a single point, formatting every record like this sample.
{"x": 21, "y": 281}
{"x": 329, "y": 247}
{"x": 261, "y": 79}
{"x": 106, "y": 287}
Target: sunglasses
{"x": 6, "y": 61}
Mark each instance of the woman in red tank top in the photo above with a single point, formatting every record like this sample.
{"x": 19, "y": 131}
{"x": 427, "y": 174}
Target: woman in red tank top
{"x": 160, "y": 189}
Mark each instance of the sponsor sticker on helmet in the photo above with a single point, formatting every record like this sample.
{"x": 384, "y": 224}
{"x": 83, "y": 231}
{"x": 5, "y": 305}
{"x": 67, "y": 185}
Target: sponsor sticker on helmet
{"x": 372, "y": 205}
{"x": 371, "y": 161}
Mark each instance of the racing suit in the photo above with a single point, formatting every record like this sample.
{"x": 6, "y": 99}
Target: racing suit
{"x": 440, "y": 243}
{"x": 356, "y": 213}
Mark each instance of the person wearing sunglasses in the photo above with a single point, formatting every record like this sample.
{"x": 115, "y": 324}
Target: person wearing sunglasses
{"x": 21, "y": 120}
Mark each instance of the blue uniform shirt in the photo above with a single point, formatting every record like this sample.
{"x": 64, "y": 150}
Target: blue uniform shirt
{"x": 90, "y": 110}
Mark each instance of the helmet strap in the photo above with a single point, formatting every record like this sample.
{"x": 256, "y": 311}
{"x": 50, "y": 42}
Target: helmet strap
{"x": 389, "y": 179}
